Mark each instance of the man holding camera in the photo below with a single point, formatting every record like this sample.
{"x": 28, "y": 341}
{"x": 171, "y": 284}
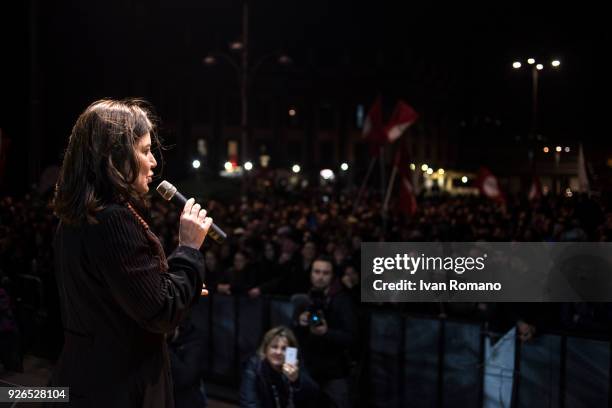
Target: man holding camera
{"x": 326, "y": 329}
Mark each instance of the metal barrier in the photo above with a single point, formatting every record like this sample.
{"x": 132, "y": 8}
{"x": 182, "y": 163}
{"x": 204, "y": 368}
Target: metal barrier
{"x": 420, "y": 362}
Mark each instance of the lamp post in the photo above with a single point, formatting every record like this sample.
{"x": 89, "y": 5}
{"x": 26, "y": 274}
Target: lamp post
{"x": 535, "y": 73}
{"x": 245, "y": 74}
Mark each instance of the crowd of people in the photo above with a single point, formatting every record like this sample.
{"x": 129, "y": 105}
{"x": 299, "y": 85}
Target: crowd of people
{"x": 308, "y": 241}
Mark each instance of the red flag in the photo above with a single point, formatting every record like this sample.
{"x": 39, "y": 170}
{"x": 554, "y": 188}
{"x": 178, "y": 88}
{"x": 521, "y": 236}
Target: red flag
{"x": 407, "y": 198}
{"x": 535, "y": 192}
{"x": 489, "y": 186}
{"x": 403, "y": 117}
{"x": 373, "y": 130}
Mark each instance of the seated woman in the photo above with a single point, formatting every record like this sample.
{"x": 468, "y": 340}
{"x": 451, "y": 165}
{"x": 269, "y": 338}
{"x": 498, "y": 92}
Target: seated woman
{"x": 268, "y": 381}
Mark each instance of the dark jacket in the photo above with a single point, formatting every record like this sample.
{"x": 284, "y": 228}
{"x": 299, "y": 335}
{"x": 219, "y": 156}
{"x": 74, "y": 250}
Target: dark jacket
{"x": 186, "y": 356}
{"x": 291, "y": 279}
{"x": 328, "y": 356}
{"x": 118, "y": 298}
{"x": 240, "y": 281}
{"x": 261, "y": 386}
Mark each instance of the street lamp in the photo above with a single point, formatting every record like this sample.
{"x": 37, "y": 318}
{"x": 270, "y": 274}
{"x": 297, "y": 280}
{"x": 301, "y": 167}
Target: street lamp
{"x": 535, "y": 72}
{"x": 244, "y": 72}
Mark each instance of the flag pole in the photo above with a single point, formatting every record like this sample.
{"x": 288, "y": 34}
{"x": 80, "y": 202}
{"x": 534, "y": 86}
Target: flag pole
{"x": 365, "y": 181}
{"x": 389, "y": 188}
{"x": 382, "y": 174}
{"x": 383, "y": 187}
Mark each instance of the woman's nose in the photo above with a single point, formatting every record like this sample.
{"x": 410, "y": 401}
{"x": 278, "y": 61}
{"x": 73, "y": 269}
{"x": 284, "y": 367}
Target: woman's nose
{"x": 153, "y": 162}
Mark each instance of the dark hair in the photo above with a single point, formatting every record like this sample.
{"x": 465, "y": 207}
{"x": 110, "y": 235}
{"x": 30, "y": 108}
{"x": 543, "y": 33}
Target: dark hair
{"x": 324, "y": 258}
{"x": 100, "y": 163}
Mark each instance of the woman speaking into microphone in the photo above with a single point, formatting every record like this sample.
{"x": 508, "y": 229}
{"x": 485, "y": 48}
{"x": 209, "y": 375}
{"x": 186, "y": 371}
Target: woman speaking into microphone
{"x": 119, "y": 294}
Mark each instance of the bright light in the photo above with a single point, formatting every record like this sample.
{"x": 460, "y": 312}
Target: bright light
{"x": 516, "y": 65}
{"x": 568, "y": 192}
{"x": 291, "y": 112}
{"x": 296, "y": 168}
{"x": 545, "y": 149}
{"x": 430, "y": 171}
{"x": 228, "y": 166}
{"x": 555, "y": 63}
{"x": 412, "y": 166}
{"x": 567, "y": 149}
{"x": 236, "y": 46}
{"x": 344, "y": 166}
{"x": 248, "y": 166}
{"x": 441, "y": 172}
{"x": 195, "y": 164}
{"x": 531, "y": 61}
{"x": 424, "y": 167}
{"x": 558, "y": 149}
{"x": 327, "y": 174}
{"x": 210, "y": 60}
{"x": 464, "y": 179}
{"x": 539, "y": 67}
{"x": 284, "y": 59}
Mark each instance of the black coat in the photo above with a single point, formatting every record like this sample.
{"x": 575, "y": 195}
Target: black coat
{"x": 186, "y": 357}
{"x": 292, "y": 278}
{"x": 258, "y": 379}
{"x": 119, "y": 297}
{"x": 328, "y": 356}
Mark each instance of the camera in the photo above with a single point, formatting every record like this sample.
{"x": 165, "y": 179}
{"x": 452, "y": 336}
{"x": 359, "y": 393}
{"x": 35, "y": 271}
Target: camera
{"x": 315, "y": 308}
{"x": 316, "y": 318}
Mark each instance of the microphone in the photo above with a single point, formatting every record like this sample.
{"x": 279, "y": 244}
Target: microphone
{"x": 170, "y": 193}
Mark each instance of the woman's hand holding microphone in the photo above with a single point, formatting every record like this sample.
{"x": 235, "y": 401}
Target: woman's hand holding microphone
{"x": 194, "y": 227}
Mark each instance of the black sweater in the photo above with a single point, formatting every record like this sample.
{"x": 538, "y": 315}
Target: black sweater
{"x": 118, "y": 297}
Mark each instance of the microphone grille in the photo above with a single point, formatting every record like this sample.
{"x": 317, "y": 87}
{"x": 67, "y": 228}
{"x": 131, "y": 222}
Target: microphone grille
{"x": 166, "y": 190}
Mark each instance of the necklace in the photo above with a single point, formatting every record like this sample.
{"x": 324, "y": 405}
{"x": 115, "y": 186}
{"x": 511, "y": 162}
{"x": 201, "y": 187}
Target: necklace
{"x": 138, "y": 217}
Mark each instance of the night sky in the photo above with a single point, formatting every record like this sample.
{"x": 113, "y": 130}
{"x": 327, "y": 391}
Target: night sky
{"x": 454, "y": 62}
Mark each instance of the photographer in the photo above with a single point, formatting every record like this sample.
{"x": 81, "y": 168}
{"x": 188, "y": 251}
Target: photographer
{"x": 326, "y": 328}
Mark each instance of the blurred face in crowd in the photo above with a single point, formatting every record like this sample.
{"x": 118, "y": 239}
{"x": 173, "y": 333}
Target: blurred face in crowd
{"x": 289, "y": 246}
{"x": 321, "y": 275}
{"x": 226, "y": 251}
{"x": 269, "y": 252}
{"x": 275, "y": 353}
{"x": 239, "y": 261}
{"x": 211, "y": 261}
{"x": 351, "y": 275}
{"x": 356, "y": 241}
{"x": 339, "y": 255}
{"x": 146, "y": 164}
{"x": 309, "y": 251}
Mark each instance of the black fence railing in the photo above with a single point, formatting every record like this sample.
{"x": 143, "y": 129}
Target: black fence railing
{"x": 406, "y": 360}
{"x": 402, "y": 359}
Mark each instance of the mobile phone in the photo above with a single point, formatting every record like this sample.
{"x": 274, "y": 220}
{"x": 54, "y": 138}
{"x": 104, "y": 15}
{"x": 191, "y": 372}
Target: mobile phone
{"x": 291, "y": 355}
